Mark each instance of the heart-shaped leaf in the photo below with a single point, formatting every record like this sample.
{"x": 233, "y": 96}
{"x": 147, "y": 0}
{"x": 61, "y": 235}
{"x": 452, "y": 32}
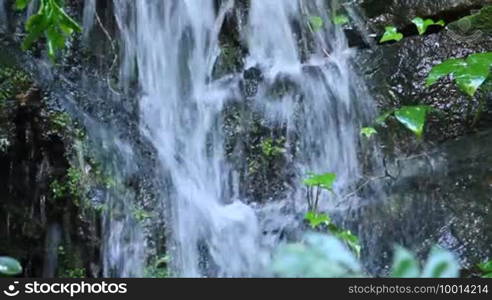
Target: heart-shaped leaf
{"x": 423, "y": 25}
{"x": 413, "y": 117}
{"x": 391, "y": 34}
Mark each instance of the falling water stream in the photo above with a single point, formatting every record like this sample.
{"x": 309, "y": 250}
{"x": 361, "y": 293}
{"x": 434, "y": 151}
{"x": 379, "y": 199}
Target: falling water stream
{"x": 175, "y": 45}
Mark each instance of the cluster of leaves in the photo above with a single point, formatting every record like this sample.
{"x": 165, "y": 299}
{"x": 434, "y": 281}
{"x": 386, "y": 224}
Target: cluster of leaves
{"x": 315, "y": 184}
{"x": 9, "y": 266}
{"x": 271, "y": 147}
{"x": 321, "y": 220}
{"x": 391, "y": 32}
{"x": 411, "y": 117}
{"x": 52, "y": 22}
{"x": 320, "y": 255}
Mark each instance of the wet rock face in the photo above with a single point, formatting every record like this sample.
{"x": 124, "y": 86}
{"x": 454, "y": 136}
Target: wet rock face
{"x": 441, "y": 198}
{"x": 400, "y": 12}
{"x": 32, "y": 156}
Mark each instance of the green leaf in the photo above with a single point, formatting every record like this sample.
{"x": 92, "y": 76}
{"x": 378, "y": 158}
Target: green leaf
{"x": 316, "y": 23}
{"x": 444, "y": 69}
{"x": 324, "y": 181}
{"x": 21, "y": 4}
{"x": 485, "y": 267}
{"x": 350, "y": 239}
{"x": 441, "y": 264}
{"x": 317, "y": 256}
{"x": 391, "y": 34}
{"x": 317, "y": 219}
{"x": 368, "y": 131}
{"x": 423, "y": 25}
{"x": 405, "y": 265}
{"x": 340, "y": 19}
{"x": 469, "y": 74}
{"x": 413, "y": 118}
{"x": 9, "y": 266}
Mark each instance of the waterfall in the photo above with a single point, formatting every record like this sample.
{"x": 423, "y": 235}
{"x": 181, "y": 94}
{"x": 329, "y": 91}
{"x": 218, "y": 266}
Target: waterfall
{"x": 174, "y": 45}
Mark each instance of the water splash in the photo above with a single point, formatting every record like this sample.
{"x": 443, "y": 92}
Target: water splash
{"x": 214, "y": 232}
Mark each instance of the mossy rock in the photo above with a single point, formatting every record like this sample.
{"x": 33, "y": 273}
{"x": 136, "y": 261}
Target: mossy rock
{"x": 474, "y": 24}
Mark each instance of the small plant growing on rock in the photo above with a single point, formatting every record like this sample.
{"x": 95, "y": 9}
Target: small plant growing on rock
{"x": 411, "y": 117}
{"x": 423, "y": 25}
{"x": 391, "y": 34}
{"x": 315, "y": 184}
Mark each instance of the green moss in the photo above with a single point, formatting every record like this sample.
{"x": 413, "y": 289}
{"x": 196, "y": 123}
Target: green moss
{"x": 481, "y": 21}
{"x": 12, "y": 82}
{"x": 157, "y": 267}
{"x": 70, "y": 263}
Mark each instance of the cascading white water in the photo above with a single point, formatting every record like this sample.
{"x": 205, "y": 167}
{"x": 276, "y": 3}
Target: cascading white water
{"x": 174, "y": 45}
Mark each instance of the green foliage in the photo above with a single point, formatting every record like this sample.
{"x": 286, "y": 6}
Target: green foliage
{"x": 272, "y": 148}
{"x": 317, "y": 219}
{"x": 315, "y": 184}
{"x": 469, "y": 73}
{"x": 440, "y": 264}
{"x": 324, "y": 181}
{"x": 52, "y": 22}
{"x": 368, "y": 132}
{"x": 412, "y": 117}
{"x": 158, "y": 268}
{"x": 316, "y": 23}
{"x": 9, "y": 266}
{"x": 12, "y": 83}
{"x": 486, "y": 269}
{"x": 423, "y": 25}
{"x": 319, "y": 255}
{"x": 391, "y": 34}
{"x": 70, "y": 264}
{"x": 340, "y": 19}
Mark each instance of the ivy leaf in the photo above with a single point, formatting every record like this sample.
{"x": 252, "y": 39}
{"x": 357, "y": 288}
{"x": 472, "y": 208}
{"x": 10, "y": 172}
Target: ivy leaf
{"x": 405, "y": 265}
{"x": 391, "y": 34}
{"x": 9, "y": 266}
{"x": 324, "y": 181}
{"x": 317, "y": 219}
{"x": 368, "y": 131}
{"x": 469, "y": 74}
{"x": 316, "y": 23}
{"x": 413, "y": 117}
{"x": 423, "y": 25}
{"x": 444, "y": 69}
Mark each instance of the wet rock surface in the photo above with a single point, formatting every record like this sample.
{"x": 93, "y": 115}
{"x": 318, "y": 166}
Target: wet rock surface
{"x": 440, "y": 197}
